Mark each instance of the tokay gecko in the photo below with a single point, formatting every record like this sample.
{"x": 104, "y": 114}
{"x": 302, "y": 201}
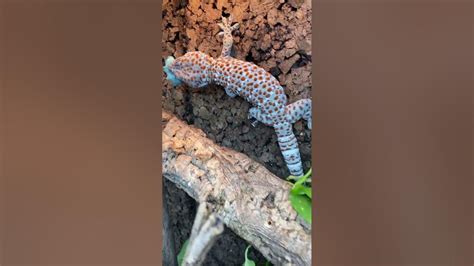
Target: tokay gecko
{"x": 251, "y": 82}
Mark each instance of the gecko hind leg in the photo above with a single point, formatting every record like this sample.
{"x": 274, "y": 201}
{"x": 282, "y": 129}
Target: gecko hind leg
{"x": 226, "y": 32}
{"x": 256, "y": 115}
{"x": 300, "y": 109}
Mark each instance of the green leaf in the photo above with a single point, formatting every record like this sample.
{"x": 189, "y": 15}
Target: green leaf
{"x": 302, "y": 190}
{"x": 182, "y": 252}
{"x": 301, "y": 179}
{"x": 301, "y": 196}
{"x": 302, "y": 205}
{"x": 248, "y": 262}
{"x": 292, "y": 177}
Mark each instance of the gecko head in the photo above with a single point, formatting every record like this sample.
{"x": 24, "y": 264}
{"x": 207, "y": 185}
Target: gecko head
{"x": 191, "y": 69}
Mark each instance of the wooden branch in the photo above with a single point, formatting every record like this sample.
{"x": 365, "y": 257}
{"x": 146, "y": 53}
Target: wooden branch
{"x": 248, "y": 198}
{"x": 206, "y": 228}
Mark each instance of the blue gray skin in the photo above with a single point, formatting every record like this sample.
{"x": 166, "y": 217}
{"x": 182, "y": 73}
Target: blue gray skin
{"x": 197, "y": 70}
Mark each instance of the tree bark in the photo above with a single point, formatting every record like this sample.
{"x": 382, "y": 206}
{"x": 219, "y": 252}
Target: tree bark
{"x": 206, "y": 229}
{"x": 248, "y": 198}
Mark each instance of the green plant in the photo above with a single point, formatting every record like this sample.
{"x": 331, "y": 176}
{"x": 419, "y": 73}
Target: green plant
{"x": 182, "y": 252}
{"x": 248, "y": 262}
{"x": 301, "y": 196}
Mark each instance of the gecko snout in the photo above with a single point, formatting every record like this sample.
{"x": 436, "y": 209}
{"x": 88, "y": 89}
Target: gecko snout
{"x": 191, "y": 68}
{"x": 169, "y": 69}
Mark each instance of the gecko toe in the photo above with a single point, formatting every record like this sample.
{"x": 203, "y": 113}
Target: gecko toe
{"x": 253, "y": 121}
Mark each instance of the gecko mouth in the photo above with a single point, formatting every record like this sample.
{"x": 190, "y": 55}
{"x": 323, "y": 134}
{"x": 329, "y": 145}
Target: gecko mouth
{"x": 169, "y": 74}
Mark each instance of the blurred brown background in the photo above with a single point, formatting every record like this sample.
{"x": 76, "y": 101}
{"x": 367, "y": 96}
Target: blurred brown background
{"x": 81, "y": 154}
{"x": 393, "y": 134}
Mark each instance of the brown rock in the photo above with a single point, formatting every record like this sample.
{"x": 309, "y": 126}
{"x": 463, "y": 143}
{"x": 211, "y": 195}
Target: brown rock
{"x": 305, "y": 44}
{"x": 240, "y": 11}
{"x": 266, "y": 42}
{"x": 290, "y": 44}
{"x": 276, "y": 45}
{"x": 299, "y": 15}
{"x": 194, "y": 5}
{"x": 286, "y": 65}
{"x": 272, "y": 17}
{"x": 290, "y": 52}
{"x": 295, "y": 3}
{"x": 221, "y": 3}
{"x": 211, "y": 13}
{"x": 260, "y": 6}
{"x": 282, "y": 79}
{"x": 249, "y": 33}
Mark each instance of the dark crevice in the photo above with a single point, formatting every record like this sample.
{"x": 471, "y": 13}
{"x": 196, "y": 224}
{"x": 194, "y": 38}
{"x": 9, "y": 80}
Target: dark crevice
{"x": 188, "y": 107}
{"x": 249, "y": 58}
{"x": 275, "y": 71}
{"x": 182, "y": 4}
{"x": 280, "y": 7}
{"x": 301, "y": 62}
{"x": 225, "y": 13}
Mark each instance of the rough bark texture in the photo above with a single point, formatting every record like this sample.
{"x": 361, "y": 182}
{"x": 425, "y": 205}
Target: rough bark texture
{"x": 207, "y": 228}
{"x": 273, "y": 34}
{"x": 244, "y": 194}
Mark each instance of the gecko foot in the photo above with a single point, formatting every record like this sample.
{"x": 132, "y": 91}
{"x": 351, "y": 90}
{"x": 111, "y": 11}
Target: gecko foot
{"x": 253, "y": 120}
{"x": 254, "y": 123}
{"x": 226, "y": 26}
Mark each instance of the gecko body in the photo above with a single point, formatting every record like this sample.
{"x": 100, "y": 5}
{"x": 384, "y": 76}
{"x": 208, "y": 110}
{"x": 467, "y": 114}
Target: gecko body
{"x": 251, "y": 82}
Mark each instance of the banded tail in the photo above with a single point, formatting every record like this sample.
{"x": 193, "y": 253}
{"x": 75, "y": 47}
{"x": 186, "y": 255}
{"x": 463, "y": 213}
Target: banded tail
{"x": 289, "y": 147}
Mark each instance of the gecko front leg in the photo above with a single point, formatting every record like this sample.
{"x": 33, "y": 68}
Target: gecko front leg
{"x": 227, "y": 30}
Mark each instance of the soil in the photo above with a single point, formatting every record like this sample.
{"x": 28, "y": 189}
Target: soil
{"x": 275, "y": 35}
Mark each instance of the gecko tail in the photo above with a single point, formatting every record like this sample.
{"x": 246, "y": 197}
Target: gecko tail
{"x": 169, "y": 75}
